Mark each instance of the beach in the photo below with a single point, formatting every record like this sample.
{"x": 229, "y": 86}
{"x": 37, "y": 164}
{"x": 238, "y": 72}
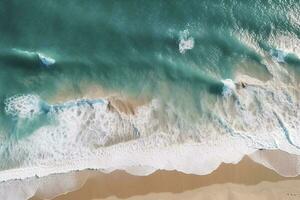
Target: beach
{"x": 245, "y": 180}
{"x": 149, "y": 99}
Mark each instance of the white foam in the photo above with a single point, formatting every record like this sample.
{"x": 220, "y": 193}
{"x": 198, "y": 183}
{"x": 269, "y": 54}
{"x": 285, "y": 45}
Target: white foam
{"x": 228, "y": 88}
{"x": 186, "y": 42}
{"x": 47, "y": 61}
{"x": 128, "y": 155}
{"x": 23, "y": 106}
{"x": 85, "y": 137}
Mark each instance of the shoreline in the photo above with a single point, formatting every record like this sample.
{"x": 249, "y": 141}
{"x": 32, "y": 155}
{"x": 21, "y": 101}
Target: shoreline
{"x": 249, "y": 170}
{"x": 245, "y": 175}
{"x": 138, "y": 161}
{"x": 128, "y": 106}
{"x": 141, "y": 162}
{"x": 39, "y": 172}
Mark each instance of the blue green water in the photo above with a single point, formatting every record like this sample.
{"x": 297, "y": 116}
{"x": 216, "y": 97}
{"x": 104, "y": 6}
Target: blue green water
{"x": 133, "y": 47}
{"x": 130, "y": 45}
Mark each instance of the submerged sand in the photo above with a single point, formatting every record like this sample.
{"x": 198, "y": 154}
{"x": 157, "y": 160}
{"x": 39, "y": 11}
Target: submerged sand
{"x": 245, "y": 180}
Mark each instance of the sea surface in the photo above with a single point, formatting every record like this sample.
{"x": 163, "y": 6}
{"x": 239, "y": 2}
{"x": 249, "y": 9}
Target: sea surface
{"x": 218, "y": 79}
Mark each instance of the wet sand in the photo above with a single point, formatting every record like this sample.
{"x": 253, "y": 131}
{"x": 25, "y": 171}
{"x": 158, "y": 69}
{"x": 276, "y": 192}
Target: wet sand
{"x": 283, "y": 190}
{"x": 245, "y": 180}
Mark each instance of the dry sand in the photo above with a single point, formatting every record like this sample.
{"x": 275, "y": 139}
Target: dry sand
{"x": 246, "y": 180}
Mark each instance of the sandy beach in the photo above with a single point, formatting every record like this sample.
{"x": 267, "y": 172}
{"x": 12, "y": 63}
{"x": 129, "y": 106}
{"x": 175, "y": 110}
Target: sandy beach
{"x": 150, "y": 100}
{"x": 229, "y": 181}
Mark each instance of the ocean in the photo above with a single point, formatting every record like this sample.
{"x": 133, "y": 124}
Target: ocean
{"x": 183, "y": 84}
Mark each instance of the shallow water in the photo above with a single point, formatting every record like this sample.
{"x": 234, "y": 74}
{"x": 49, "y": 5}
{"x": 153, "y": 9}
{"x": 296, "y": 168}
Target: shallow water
{"x": 186, "y": 57}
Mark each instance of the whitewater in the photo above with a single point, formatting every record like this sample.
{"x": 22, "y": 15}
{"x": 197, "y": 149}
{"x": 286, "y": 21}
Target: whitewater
{"x": 147, "y": 86}
{"x": 86, "y": 134}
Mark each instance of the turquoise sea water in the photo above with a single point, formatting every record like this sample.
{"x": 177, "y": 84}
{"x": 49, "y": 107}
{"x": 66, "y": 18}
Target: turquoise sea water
{"x": 176, "y": 52}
